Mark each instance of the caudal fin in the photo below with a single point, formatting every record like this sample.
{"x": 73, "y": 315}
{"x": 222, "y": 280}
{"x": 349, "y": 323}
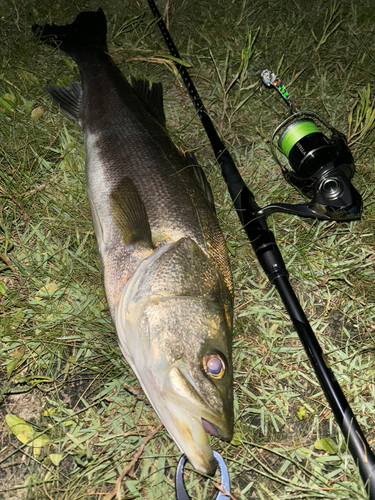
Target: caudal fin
{"x": 89, "y": 30}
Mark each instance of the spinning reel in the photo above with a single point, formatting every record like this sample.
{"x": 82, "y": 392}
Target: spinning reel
{"x": 321, "y": 162}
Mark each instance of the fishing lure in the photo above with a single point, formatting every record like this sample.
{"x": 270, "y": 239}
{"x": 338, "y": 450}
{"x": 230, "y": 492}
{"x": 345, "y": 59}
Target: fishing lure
{"x": 272, "y": 80}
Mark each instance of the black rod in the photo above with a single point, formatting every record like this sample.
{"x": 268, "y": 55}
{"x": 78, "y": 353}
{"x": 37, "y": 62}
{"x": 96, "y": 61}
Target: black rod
{"x": 270, "y": 258}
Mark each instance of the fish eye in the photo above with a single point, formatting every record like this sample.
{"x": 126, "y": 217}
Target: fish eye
{"x": 214, "y": 365}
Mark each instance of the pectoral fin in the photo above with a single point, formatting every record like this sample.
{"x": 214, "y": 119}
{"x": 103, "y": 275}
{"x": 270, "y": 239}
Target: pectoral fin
{"x": 69, "y": 99}
{"x": 129, "y": 215}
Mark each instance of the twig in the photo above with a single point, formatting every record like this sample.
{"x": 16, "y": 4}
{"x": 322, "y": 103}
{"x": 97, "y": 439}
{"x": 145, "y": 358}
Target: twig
{"x": 135, "y": 392}
{"x": 46, "y": 492}
{"x": 14, "y": 270}
{"x": 224, "y": 491}
{"x": 124, "y": 434}
{"x": 127, "y": 469}
{"x": 17, "y": 18}
{"x": 84, "y": 392}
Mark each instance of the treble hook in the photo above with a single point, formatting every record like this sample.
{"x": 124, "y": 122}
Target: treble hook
{"x": 181, "y": 493}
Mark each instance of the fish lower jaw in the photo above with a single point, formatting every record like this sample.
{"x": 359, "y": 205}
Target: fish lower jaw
{"x": 191, "y": 434}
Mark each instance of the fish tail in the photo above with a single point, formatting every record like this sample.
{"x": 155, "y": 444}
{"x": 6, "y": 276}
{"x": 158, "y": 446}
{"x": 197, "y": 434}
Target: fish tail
{"x": 88, "y": 31}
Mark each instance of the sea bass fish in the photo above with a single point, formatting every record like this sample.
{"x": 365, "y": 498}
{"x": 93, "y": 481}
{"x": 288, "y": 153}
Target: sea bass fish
{"x": 166, "y": 271}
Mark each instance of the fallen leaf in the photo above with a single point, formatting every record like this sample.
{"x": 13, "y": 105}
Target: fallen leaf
{"x": 26, "y": 434}
{"x": 20, "y": 429}
{"x": 46, "y": 291}
{"x": 37, "y": 113}
{"x": 326, "y": 444}
{"x": 17, "y": 359}
{"x": 302, "y": 413}
{"x": 56, "y": 458}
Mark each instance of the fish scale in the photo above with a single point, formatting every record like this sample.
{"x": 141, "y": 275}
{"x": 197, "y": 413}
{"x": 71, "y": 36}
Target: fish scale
{"x": 166, "y": 270}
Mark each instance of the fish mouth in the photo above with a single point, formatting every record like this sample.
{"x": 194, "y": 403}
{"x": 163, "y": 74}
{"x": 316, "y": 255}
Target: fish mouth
{"x": 191, "y": 421}
{"x": 191, "y": 434}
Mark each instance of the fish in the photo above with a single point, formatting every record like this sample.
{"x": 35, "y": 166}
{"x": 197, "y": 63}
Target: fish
{"x": 163, "y": 257}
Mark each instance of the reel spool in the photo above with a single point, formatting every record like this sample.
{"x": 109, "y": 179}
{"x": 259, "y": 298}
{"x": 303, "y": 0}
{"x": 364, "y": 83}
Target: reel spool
{"x": 322, "y": 166}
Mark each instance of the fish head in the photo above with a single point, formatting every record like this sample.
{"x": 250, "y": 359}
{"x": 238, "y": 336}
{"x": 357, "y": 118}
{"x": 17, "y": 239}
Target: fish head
{"x": 191, "y": 367}
{"x": 175, "y": 330}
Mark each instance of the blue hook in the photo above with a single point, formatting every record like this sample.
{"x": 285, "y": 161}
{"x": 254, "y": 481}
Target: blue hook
{"x": 181, "y": 493}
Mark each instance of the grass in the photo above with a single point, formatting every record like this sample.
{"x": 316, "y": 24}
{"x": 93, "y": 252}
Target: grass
{"x": 61, "y": 369}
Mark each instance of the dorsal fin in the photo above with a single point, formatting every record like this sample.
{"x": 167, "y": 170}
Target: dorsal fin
{"x": 68, "y": 99}
{"x": 151, "y": 96}
{"x": 129, "y": 215}
{"x": 191, "y": 161}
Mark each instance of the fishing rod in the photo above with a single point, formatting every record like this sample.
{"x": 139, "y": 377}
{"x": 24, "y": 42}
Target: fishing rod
{"x": 327, "y": 182}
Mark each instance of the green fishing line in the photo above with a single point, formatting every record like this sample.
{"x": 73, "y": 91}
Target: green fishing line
{"x": 294, "y": 133}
